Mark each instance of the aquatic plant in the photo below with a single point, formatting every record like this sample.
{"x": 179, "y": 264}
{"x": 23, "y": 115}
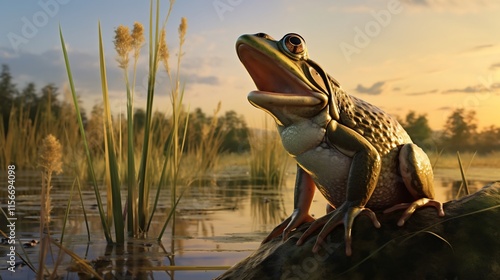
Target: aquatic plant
{"x": 268, "y": 158}
{"x": 50, "y": 162}
{"x": 138, "y": 209}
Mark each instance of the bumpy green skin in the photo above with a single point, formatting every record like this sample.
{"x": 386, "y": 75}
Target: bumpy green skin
{"x": 357, "y": 155}
{"x": 324, "y": 158}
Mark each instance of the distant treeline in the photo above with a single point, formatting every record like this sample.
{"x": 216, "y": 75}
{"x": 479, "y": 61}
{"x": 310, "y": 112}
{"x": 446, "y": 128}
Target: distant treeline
{"x": 460, "y": 133}
{"x": 44, "y": 109}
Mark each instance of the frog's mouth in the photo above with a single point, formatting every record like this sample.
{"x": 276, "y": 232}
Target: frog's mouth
{"x": 276, "y": 84}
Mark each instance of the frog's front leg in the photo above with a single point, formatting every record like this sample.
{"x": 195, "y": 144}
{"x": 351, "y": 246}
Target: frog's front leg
{"x": 362, "y": 180}
{"x": 416, "y": 171}
{"x": 303, "y": 195}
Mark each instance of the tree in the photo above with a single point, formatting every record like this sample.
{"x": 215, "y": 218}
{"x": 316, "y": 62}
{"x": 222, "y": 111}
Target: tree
{"x": 7, "y": 93}
{"x": 49, "y": 106}
{"x": 488, "y": 140}
{"x": 459, "y": 130}
{"x": 418, "y": 128}
{"x": 236, "y": 139}
{"x": 28, "y": 100}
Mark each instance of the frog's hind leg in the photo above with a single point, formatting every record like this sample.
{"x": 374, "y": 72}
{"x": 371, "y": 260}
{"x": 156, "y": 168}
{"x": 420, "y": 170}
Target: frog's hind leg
{"x": 416, "y": 171}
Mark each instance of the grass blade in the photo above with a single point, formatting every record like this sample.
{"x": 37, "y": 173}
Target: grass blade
{"x": 107, "y": 232}
{"x": 464, "y": 179}
{"x": 170, "y": 215}
{"x": 112, "y": 166}
{"x": 153, "y": 63}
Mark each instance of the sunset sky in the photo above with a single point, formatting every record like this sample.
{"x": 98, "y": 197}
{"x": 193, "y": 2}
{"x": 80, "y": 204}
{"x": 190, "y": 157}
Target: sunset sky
{"x": 430, "y": 56}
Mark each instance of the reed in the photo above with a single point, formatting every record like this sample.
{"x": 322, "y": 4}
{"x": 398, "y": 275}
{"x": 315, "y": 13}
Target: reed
{"x": 206, "y": 147}
{"x": 177, "y": 139}
{"x": 268, "y": 158}
{"x": 49, "y": 161}
{"x": 161, "y": 152}
{"x": 93, "y": 177}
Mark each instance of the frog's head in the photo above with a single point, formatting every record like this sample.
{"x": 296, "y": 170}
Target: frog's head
{"x": 289, "y": 84}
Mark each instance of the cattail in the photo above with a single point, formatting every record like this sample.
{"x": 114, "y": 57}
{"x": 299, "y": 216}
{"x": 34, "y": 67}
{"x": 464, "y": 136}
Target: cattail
{"x": 163, "y": 53}
{"x": 123, "y": 45}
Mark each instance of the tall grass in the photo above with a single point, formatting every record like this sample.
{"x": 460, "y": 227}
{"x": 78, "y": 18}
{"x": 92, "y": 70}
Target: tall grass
{"x": 268, "y": 158}
{"x": 206, "y": 148}
{"x": 93, "y": 177}
{"x": 19, "y": 143}
{"x": 138, "y": 207}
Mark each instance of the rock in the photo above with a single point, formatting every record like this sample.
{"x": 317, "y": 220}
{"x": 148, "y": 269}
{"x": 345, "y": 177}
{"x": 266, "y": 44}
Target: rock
{"x": 465, "y": 244}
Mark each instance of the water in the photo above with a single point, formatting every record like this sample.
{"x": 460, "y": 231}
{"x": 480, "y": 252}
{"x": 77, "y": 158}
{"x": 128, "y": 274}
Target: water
{"x": 216, "y": 226}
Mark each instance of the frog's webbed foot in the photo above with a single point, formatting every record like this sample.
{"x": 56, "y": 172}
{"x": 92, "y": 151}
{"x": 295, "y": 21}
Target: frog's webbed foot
{"x": 296, "y": 219}
{"x": 343, "y": 215}
{"x": 411, "y": 207}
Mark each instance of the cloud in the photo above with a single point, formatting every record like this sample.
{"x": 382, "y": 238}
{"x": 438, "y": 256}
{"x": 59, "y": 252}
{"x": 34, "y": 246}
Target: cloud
{"x": 495, "y": 66}
{"x": 474, "y": 88}
{"x": 445, "y": 108}
{"x": 374, "y": 89}
{"x": 453, "y": 6}
{"x": 48, "y": 67}
{"x": 422, "y": 92}
{"x": 197, "y": 79}
{"x": 350, "y": 9}
{"x": 479, "y": 48}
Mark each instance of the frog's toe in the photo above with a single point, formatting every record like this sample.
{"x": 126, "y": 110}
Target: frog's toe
{"x": 331, "y": 221}
{"x": 277, "y": 230}
{"x": 411, "y": 207}
{"x": 312, "y": 228}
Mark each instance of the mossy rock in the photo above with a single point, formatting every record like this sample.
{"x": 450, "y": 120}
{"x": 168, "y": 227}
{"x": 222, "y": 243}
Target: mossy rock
{"x": 465, "y": 244}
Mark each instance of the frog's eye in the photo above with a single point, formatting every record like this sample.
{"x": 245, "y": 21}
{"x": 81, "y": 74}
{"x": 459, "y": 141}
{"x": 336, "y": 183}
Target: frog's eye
{"x": 294, "y": 44}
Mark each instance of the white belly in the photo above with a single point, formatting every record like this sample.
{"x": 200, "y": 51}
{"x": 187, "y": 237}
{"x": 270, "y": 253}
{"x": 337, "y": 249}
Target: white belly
{"x": 330, "y": 169}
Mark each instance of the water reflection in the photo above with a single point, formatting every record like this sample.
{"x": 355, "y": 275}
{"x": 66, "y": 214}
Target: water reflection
{"x": 125, "y": 261}
{"x": 267, "y": 207}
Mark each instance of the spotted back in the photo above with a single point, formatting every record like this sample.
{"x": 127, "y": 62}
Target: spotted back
{"x": 380, "y": 129}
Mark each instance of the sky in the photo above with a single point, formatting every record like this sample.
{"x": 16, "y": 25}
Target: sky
{"x": 429, "y": 56}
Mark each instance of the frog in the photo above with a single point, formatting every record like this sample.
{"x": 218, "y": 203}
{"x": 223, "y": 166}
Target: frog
{"x": 358, "y": 156}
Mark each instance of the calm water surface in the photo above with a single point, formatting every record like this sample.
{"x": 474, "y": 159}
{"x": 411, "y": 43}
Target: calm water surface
{"x": 216, "y": 226}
